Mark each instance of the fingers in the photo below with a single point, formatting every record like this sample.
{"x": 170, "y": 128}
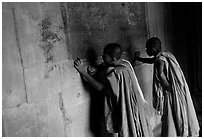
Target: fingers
{"x": 77, "y": 62}
{"x": 75, "y": 66}
{"x": 137, "y": 53}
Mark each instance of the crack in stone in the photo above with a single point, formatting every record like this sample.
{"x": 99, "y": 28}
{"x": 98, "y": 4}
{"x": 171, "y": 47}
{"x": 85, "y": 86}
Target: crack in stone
{"x": 61, "y": 106}
{"x": 19, "y": 49}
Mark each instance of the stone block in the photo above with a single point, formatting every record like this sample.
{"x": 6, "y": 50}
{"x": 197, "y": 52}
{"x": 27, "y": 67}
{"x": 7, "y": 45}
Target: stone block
{"x": 13, "y": 88}
{"x": 79, "y": 120}
{"x": 71, "y": 86}
{"x": 42, "y": 113}
{"x": 55, "y": 118}
{"x": 27, "y": 17}
{"x": 40, "y": 33}
{"x": 21, "y": 121}
{"x": 32, "y": 131}
{"x": 42, "y": 82}
{"x": 52, "y": 33}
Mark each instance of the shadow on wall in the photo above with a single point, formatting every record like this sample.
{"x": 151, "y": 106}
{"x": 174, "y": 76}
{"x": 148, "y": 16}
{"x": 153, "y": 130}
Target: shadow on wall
{"x": 96, "y": 97}
{"x": 91, "y": 55}
{"x": 96, "y": 110}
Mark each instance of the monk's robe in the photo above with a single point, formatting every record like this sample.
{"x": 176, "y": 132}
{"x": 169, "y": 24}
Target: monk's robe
{"x": 176, "y": 107}
{"x": 125, "y": 104}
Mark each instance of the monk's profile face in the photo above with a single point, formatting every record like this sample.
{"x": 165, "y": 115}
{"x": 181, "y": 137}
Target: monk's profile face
{"x": 107, "y": 59}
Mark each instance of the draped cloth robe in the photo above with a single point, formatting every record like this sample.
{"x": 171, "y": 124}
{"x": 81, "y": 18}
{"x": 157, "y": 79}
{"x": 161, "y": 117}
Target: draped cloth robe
{"x": 176, "y": 107}
{"x": 124, "y": 104}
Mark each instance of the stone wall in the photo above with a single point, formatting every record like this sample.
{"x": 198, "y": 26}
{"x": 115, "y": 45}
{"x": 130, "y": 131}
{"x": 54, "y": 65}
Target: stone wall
{"x": 42, "y": 93}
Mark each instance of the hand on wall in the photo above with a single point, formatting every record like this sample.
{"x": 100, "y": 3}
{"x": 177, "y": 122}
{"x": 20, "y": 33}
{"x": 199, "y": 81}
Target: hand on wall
{"x": 79, "y": 65}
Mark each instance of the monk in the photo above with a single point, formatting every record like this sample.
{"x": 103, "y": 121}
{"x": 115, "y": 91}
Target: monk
{"x": 124, "y": 102}
{"x": 171, "y": 95}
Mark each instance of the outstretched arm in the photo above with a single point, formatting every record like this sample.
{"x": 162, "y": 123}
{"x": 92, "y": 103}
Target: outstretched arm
{"x": 161, "y": 75}
{"x": 144, "y": 60}
{"x": 78, "y": 64}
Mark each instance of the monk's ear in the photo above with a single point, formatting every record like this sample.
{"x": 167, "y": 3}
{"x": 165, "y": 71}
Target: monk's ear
{"x": 114, "y": 59}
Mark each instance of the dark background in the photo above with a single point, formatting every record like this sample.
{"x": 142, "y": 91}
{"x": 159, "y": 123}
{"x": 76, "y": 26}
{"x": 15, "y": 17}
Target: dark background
{"x": 187, "y": 45}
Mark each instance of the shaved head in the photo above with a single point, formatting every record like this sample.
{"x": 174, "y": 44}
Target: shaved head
{"x": 154, "y": 43}
{"x": 114, "y": 50}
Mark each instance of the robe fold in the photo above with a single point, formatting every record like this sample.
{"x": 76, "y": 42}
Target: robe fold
{"x": 176, "y": 107}
{"x": 124, "y": 104}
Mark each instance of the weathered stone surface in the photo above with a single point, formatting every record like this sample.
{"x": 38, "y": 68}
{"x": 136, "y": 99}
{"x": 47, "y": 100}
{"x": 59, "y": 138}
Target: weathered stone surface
{"x": 78, "y": 123}
{"x": 52, "y": 37}
{"x": 27, "y": 17}
{"x": 41, "y": 33}
{"x": 42, "y": 114}
{"x": 71, "y": 85}
{"x": 21, "y": 121}
{"x": 13, "y": 88}
{"x": 55, "y": 118}
{"x": 102, "y": 23}
{"x": 42, "y": 82}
